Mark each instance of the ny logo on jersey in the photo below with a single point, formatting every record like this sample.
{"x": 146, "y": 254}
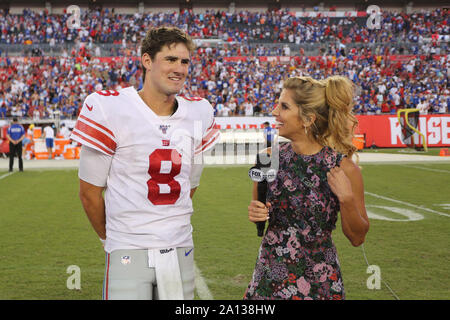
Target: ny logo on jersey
{"x": 164, "y": 128}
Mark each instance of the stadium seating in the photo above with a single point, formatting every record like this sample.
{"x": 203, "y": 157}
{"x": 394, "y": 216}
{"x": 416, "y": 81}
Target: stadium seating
{"x": 241, "y": 61}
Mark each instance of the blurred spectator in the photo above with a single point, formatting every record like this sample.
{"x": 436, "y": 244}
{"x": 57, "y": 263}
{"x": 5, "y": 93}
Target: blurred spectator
{"x": 64, "y": 131}
{"x": 269, "y": 134}
{"x": 49, "y": 136}
{"x": 15, "y": 135}
{"x": 283, "y": 26}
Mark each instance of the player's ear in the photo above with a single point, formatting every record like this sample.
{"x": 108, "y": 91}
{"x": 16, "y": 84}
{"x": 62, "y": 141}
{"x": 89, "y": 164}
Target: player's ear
{"x": 146, "y": 61}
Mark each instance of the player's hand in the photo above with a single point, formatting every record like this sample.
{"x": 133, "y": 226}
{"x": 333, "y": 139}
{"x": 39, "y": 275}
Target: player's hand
{"x": 258, "y": 211}
{"x": 340, "y": 184}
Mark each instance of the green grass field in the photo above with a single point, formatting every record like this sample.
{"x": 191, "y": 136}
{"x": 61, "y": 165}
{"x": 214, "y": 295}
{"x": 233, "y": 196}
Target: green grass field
{"x": 44, "y": 230}
{"x": 430, "y": 152}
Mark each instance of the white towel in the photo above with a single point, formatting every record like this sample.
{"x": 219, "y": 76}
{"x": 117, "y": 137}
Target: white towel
{"x": 167, "y": 270}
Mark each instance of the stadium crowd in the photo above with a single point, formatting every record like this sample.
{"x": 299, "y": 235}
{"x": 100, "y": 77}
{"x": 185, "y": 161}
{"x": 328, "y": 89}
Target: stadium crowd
{"x": 39, "y": 87}
{"x": 105, "y": 26}
{"x": 237, "y": 78}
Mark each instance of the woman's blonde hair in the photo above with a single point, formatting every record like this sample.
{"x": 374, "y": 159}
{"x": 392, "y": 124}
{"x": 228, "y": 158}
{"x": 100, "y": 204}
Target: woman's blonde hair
{"x": 331, "y": 101}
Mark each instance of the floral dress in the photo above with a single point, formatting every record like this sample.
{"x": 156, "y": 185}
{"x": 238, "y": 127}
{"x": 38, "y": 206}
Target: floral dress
{"x": 297, "y": 258}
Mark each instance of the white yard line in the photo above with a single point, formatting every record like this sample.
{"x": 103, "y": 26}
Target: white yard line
{"x": 424, "y": 168}
{"x": 201, "y": 286}
{"x": 6, "y": 175}
{"x": 407, "y": 204}
{"x": 443, "y": 205}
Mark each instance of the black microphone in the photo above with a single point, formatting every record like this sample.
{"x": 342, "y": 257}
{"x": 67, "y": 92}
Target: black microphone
{"x": 259, "y": 176}
{"x": 262, "y": 192}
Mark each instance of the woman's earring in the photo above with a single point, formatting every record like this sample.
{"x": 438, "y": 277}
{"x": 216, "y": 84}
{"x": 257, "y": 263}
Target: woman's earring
{"x": 306, "y": 131}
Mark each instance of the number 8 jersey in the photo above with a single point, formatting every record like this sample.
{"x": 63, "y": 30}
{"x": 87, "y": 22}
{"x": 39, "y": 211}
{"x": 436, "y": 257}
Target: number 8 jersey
{"x": 147, "y": 195}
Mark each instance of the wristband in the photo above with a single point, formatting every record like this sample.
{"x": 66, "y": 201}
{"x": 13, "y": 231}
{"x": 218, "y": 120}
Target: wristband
{"x": 103, "y": 241}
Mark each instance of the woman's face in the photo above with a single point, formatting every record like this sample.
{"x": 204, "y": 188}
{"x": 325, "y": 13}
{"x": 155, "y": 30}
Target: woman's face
{"x": 287, "y": 118}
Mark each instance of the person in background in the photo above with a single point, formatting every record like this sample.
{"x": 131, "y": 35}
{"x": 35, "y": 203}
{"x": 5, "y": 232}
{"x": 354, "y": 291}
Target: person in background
{"x": 15, "y": 135}
{"x": 269, "y": 134}
{"x": 27, "y": 140}
{"x": 49, "y": 136}
{"x": 64, "y": 131}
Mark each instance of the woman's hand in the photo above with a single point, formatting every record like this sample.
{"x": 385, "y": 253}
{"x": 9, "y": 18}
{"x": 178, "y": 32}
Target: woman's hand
{"x": 258, "y": 211}
{"x": 346, "y": 183}
{"x": 340, "y": 184}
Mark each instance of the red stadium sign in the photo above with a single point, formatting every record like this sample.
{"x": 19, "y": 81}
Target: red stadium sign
{"x": 380, "y": 130}
{"x": 385, "y": 130}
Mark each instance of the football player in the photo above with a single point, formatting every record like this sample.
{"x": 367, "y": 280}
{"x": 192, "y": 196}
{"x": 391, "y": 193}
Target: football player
{"x": 142, "y": 150}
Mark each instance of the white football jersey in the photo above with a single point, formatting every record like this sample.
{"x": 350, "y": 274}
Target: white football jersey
{"x": 147, "y": 194}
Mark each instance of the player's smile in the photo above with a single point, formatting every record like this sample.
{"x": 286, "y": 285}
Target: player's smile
{"x": 177, "y": 80}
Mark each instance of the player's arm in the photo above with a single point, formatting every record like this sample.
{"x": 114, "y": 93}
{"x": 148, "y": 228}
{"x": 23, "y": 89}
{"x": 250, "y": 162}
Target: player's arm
{"x": 209, "y": 139}
{"x": 347, "y": 184}
{"x": 93, "y": 174}
{"x": 193, "y": 191}
{"x": 91, "y": 197}
{"x": 196, "y": 173}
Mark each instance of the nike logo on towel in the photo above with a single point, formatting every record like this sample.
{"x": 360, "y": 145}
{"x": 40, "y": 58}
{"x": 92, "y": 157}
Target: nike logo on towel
{"x": 186, "y": 253}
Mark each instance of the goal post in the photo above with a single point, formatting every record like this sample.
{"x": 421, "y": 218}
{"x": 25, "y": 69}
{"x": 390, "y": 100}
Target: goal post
{"x": 409, "y": 122}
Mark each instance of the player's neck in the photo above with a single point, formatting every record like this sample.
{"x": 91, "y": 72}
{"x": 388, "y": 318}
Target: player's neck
{"x": 162, "y": 105}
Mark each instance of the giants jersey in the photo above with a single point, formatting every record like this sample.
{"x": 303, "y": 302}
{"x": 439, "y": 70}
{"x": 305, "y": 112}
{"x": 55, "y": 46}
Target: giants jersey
{"x": 147, "y": 195}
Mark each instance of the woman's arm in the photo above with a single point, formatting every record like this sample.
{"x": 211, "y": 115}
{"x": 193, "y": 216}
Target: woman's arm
{"x": 347, "y": 184}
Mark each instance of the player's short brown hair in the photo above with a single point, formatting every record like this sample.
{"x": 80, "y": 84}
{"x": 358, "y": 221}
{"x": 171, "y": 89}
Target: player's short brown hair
{"x": 157, "y": 38}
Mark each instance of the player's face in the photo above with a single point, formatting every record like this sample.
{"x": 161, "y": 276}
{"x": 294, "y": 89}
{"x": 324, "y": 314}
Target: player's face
{"x": 169, "y": 69}
{"x": 288, "y": 122}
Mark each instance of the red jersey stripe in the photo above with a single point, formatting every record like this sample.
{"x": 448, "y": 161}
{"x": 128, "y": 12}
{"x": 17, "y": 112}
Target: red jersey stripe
{"x": 207, "y": 145}
{"x": 96, "y": 134}
{"x": 208, "y": 137}
{"x": 93, "y": 143}
{"x": 214, "y": 122}
{"x": 107, "y": 279}
{"x": 97, "y": 124}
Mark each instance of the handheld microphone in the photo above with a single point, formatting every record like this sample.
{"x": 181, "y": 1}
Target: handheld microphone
{"x": 261, "y": 177}
{"x": 257, "y": 175}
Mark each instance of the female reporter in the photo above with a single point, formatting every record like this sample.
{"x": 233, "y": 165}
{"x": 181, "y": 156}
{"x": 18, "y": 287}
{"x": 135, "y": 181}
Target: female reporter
{"x": 316, "y": 179}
